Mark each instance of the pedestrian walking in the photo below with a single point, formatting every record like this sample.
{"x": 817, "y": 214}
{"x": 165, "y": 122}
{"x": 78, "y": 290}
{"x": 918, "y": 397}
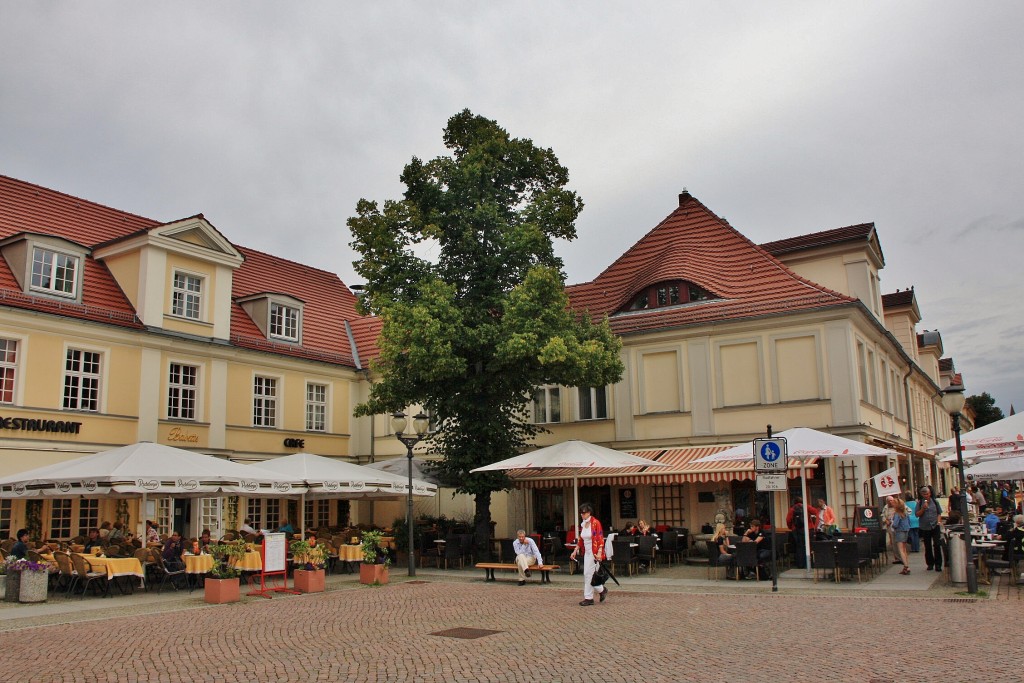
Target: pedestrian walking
{"x": 928, "y": 511}
{"x": 900, "y": 529}
{"x": 590, "y": 544}
{"x": 914, "y": 536}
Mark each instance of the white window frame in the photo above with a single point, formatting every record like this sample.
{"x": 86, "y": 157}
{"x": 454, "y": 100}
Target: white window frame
{"x": 59, "y": 259}
{"x": 265, "y": 405}
{"x": 592, "y": 393}
{"x": 82, "y": 377}
{"x": 179, "y": 389}
{"x": 10, "y": 352}
{"x": 184, "y": 299}
{"x": 211, "y": 515}
{"x": 87, "y": 514}
{"x": 316, "y": 407}
{"x": 285, "y": 321}
{"x": 66, "y": 508}
{"x": 552, "y": 415}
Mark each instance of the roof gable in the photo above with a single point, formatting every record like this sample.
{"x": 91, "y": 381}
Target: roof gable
{"x": 694, "y": 244}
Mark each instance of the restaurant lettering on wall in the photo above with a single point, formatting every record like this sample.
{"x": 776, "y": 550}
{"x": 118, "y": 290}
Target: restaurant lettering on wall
{"x": 27, "y": 424}
{"x": 180, "y": 435}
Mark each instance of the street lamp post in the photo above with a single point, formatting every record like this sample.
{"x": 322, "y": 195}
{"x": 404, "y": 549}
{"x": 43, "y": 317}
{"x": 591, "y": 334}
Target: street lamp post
{"x": 953, "y": 402}
{"x": 420, "y": 424}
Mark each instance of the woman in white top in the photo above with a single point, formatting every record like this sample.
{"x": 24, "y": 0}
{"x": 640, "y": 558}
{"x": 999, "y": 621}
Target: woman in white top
{"x": 590, "y": 544}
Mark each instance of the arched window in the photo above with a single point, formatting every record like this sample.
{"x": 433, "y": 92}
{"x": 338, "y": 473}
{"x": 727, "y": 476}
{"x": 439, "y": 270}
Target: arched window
{"x": 669, "y": 293}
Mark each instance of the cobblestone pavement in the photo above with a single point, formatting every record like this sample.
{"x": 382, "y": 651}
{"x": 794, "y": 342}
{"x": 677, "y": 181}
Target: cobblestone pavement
{"x": 533, "y": 633}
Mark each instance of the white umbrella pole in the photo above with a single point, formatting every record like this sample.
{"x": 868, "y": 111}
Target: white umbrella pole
{"x": 576, "y": 503}
{"x": 302, "y": 514}
{"x": 141, "y": 525}
{"x": 807, "y": 535}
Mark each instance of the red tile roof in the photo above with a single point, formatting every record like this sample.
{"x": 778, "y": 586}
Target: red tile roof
{"x": 694, "y": 244}
{"x": 25, "y": 207}
{"x": 851, "y": 233}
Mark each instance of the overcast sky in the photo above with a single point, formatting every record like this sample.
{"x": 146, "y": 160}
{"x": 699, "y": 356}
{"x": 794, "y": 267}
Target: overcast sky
{"x": 274, "y": 118}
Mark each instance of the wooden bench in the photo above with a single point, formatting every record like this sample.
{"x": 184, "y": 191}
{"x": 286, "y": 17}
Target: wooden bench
{"x": 544, "y": 569}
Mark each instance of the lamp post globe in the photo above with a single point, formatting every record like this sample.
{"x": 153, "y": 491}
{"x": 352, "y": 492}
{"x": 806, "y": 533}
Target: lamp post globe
{"x": 421, "y": 424}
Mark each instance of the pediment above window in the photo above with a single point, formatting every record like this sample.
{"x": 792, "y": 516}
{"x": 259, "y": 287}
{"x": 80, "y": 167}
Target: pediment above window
{"x": 195, "y": 237}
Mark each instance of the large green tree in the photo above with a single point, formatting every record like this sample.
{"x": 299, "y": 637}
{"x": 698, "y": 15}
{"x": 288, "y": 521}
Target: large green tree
{"x": 985, "y": 409}
{"x": 472, "y": 331}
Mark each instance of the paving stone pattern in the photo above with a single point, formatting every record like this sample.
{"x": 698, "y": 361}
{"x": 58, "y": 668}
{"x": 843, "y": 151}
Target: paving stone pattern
{"x": 359, "y": 633}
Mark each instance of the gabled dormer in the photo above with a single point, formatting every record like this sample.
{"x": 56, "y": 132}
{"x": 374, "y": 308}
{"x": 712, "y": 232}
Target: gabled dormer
{"x": 279, "y": 316}
{"x": 177, "y": 275}
{"x": 46, "y": 265}
{"x": 902, "y": 315}
{"x": 847, "y": 260}
{"x": 929, "y": 351}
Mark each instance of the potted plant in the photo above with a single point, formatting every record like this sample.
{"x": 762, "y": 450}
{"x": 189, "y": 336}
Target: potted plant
{"x": 310, "y": 560}
{"x": 374, "y": 569}
{"x": 27, "y": 581}
{"x": 222, "y": 583}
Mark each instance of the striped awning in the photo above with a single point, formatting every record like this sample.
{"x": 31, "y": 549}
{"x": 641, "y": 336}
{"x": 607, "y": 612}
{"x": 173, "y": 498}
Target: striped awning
{"x": 681, "y": 469}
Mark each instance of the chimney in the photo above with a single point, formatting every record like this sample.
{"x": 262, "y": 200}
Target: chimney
{"x": 684, "y": 196}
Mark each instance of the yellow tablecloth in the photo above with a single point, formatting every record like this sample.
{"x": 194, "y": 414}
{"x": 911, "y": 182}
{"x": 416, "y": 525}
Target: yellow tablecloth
{"x": 350, "y": 553}
{"x": 118, "y": 566}
{"x": 198, "y": 564}
{"x": 250, "y": 562}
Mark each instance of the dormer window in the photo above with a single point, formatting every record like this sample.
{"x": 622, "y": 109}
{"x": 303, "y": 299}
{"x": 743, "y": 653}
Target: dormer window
{"x": 668, "y": 294}
{"x": 279, "y": 316}
{"x": 284, "y": 322}
{"x": 187, "y": 296}
{"x": 54, "y": 272}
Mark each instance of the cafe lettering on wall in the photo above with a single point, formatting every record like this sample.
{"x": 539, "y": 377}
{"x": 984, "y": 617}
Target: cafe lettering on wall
{"x": 294, "y": 443}
{"x": 180, "y": 435}
{"x": 27, "y": 424}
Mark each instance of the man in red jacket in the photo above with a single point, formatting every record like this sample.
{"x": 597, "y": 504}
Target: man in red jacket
{"x": 795, "y": 522}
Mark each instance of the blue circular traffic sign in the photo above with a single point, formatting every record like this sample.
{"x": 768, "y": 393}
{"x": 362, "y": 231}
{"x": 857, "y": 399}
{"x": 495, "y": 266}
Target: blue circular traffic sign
{"x": 770, "y": 452}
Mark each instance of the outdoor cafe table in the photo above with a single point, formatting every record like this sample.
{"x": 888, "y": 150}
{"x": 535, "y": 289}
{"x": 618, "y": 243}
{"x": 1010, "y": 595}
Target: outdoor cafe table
{"x": 118, "y": 567}
{"x": 250, "y": 562}
{"x": 198, "y": 564}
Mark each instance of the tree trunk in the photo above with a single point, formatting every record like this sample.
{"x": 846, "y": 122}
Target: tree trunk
{"x": 482, "y": 525}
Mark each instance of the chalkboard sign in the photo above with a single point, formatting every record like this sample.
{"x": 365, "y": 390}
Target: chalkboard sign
{"x": 275, "y": 553}
{"x": 867, "y": 518}
{"x": 627, "y": 503}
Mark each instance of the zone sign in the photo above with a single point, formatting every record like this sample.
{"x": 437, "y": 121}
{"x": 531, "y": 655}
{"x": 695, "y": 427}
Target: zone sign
{"x": 770, "y": 456}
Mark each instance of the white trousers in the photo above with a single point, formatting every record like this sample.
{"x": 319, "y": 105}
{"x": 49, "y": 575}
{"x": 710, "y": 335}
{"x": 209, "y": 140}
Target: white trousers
{"x": 525, "y": 562}
{"x": 589, "y": 567}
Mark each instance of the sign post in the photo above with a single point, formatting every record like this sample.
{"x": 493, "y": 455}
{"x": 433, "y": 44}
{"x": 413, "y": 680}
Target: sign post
{"x": 771, "y": 460}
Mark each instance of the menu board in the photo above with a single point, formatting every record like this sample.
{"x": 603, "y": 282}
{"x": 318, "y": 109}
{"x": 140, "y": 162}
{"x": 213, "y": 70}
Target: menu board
{"x": 627, "y": 503}
{"x": 275, "y": 553}
{"x": 867, "y": 518}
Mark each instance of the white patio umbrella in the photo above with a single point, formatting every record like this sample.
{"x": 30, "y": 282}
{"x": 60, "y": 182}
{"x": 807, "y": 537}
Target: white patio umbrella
{"x": 803, "y": 444}
{"x": 146, "y": 468}
{"x": 400, "y": 466}
{"x": 1007, "y": 433}
{"x": 572, "y": 455}
{"x": 1003, "y": 468}
{"x": 331, "y": 478}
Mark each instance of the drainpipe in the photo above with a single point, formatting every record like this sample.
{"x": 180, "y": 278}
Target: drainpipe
{"x": 910, "y": 423}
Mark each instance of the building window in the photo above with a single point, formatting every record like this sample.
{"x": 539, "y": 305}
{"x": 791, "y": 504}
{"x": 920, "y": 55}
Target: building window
{"x": 8, "y": 368}
{"x": 593, "y": 403}
{"x": 186, "y": 296}
{"x": 5, "y": 518}
{"x": 316, "y": 407}
{"x": 264, "y": 402}
{"x": 210, "y": 516}
{"x": 82, "y": 380}
{"x": 318, "y": 514}
{"x": 164, "y": 516}
{"x": 54, "y": 272}
{"x": 667, "y": 505}
{"x": 265, "y": 513}
{"x": 284, "y": 322}
{"x": 181, "y": 392}
{"x": 668, "y": 294}
{"x": 547, "y": 405}
{"x": 60, "y": 518}
{"x": 88, "y": 515}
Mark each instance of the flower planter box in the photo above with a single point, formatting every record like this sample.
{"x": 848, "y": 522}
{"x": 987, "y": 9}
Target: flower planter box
{"x": 12, "y": 586}
{"x": 373, "y": 574}
{"x": 309, "y": 580}
{"x": 219, "y": 591}
{"x": 33, "y": 586}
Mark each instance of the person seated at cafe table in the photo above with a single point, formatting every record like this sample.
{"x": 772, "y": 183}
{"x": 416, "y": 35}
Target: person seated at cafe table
{"x": 93, "y": 541}
{"x": 116, "y": 534}
{"x": 527, "y": 555}
{"x": 643, "y": 529}
{"x": 991, "y": 522}
{"x": 285, "y": 528}
{"x": 152, "y": 534}
{"x": 247, "y": 527}
{"x": 173, "y": 549}
{"x": 20, "y": 549}
{"x": 204, "y": 540}
{"x": 629, "y": 529}
{"x": 721, "y": 543}
{"x": 105, "y": 530}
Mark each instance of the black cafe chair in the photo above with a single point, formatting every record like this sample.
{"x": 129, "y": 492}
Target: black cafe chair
{"x": 745, "y": 557}
{"x": 623, "y": 555}
{"x": 823, "y": 557}
{"x": 848, "y": 557}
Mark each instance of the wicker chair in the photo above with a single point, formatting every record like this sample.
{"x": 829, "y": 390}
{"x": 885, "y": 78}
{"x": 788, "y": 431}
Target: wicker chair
{"x": 67, "y": 577}
{"x": 86, "y": 575}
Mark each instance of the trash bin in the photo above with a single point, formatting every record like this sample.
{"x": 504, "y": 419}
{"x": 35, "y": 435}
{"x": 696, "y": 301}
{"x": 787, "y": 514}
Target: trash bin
{"x": 956, "y": 558}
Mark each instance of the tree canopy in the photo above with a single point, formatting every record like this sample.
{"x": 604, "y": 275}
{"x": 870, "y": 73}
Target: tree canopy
{"x": 985, "y": 409}
{"x": 472, "y": 332}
